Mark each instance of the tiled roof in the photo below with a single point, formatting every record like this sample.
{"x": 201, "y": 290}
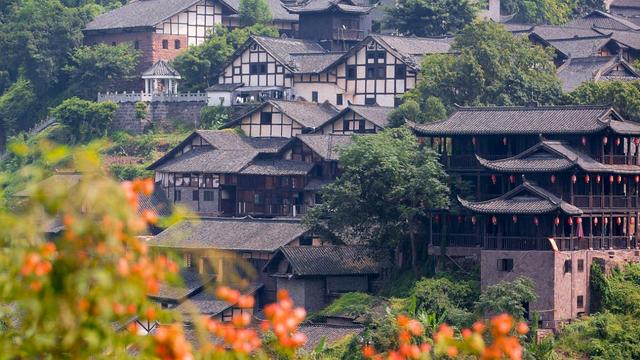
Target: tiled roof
{"x": 329, "y": 260}
{"x": 626, "y": 3}
{"x": 554, "y": 155}
{"x": 283, "y": 49}
{"x": 328, "y": 333}
{"x": 230, "y": 234}
{"x": 627, "y": 38}
{"x": 312, "y": 6}
{"x": 208, "y": 160}
{"x": 66, "y": 180}
{"x": 308, "y": 114}
{"x": 192, "y": 282}
{"x": 575, "y": 71}
{"x": 278, "y": 167}
{"x": 518, "y": 28}
{"x": 527, "y": 198}
{"x": 581, "y": 47}
{"x": 231, "y": 140}
{"x": 316, "y": 184}
{"x": 161, "y": 69}
{"x": 557, "y": 32}
{"x": 149, "y": 13}
{"x": 379, "y": 115}
{"x": 313, "y": 63}
{"x": 206, "y": 303}
{"x": 412, "y": 49}
{"x": 326, "y": 146}
{"x": 142, "y": 13}
{"x": 157, "y": 202}
{"x": 604, "y": 20}
{"x": 509, "y": 120}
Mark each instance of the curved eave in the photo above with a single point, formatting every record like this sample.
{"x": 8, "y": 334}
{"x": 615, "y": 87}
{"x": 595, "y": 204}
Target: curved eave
{"x": 512, "y": 207}
{"x": 533, "y": 166}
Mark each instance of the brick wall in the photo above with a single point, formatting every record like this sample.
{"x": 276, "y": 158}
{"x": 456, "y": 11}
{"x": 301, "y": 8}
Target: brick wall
{"x": 160, "y": 114}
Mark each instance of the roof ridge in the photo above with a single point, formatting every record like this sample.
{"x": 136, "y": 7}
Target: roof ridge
{"x": 525, "y": 107}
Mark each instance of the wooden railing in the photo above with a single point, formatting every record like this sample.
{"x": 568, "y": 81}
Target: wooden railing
{"x": 525, "y": 243}
{"x": 349, "y": 34}
{"x": 458, "y": 240}
{"x": 271, "y": 210}
{"x": 605, "y": 201}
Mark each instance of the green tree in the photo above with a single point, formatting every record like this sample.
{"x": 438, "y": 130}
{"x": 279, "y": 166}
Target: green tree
{"x": 491, "y": 67}
{"x": 430, "y": 17}
{"x": 254, "y": 12}
{"x": 213, "y": 117}
{"x": 200, "y": 65}
{"x": 548, "y": 11}
{"x": 507, "y": 297}
{"x": 97, "y": 68}
{"x": 447, "y": 299}
{"x": 388, "y": 181}
{"x": 16, "y": 109}
{"x": 623, "y": 95}
{"x": 85, "y": 119}
{"x": 410, "y": 110}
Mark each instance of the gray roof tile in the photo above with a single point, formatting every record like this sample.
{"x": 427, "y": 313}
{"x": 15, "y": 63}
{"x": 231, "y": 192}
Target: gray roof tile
{"x": 161, "y": 69}
{"x": 379, "y": 115}
{"x": 581, "y": 47}
{"x": 278, "y": 167}
{"x": 208, "y": 160}
{"x": 575, "y": 71}
{"x": 329, "y": 260}
{"x": 246, "y": 234}
{"x": 326, "y": 146}
{"x": 330, "y": 333}
{"x": 192, "y": 282}
{"x": 604, "y": 20}
{"x": 527, "y": 198}
{"x": 510, "y": 120}
{"x": 312, "y": 6}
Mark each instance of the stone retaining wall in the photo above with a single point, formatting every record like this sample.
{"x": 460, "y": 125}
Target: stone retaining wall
{"x": 160, "y": 114}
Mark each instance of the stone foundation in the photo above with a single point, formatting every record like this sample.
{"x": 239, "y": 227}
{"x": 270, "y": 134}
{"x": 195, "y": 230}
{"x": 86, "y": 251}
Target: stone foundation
{"x": 160, "y": 114}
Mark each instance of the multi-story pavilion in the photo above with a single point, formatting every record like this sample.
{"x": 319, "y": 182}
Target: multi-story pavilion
{"x": 548, "y": 191}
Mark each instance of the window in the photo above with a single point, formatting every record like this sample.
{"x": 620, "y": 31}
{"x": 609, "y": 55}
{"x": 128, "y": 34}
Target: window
{"x": 177, "y": 195}
{"x": 176, "y": 44}
{"x": 266, "y": 118}
{"x": 188, "y": 260}
{"x": 361, "y": 126}
{"x": 567, "y": 266}
{"x": 376, "y": 55}
{"x": 165, "y": 44}
{"x": 136, "y": 44}
{"x": 580, "y": 265}
{"x": 401, "y": 71}
{"x": 505, "y": 265}
{"x": 258, "y": 68}
{"x": 338, "y": 99}
{"x": 208, "y": 196}
{"x": 279, "y": 69}
{"x": 345, "y": 125}
{"x": 195, "y": 195}
{"x": 370, "y": 101}
{"x": 257, "y": 199}
{"x": 314, "y": 96}
{"x": 237, "y": 70}
{"x": 376, "y": 72}
{"x": 306, "y": 241}
{"x": 397, "y": 101}
{"x": 351, "y": 72}
{"x": 580, "y": 302}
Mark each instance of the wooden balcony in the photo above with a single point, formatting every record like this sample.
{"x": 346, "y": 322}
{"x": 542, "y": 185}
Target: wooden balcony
{"x": 605, "y": 201}
{"x": 349, "y": 34}
{"x": 270, "y": 210}
{"x": 528, "y": 243}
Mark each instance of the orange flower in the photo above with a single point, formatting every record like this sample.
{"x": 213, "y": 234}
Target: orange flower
{"x": 368, "y": 351}
{"x": 522, "y": 328}
{"x": 501, "y": 324}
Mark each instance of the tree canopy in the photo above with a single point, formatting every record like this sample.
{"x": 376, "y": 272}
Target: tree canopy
{"x": 254, "y": 12}
{"x": 94, "y": 69}
{"x": 623, "y": 95}
{"x": 388, "y": 182}
{"x": 85, "y": 119}
{"x": 430, "y": 17}
{"x": 490, "y": 67}
{"x": 548, "y": 11}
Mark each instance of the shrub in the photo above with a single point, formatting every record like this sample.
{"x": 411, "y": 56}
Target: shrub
{"x": 446, "y": 298}
{"x": 507, "y": 297}
{"x": 141, "y": 110}
{"x": 85, "y": 119}
{"x": 213, "y": 117}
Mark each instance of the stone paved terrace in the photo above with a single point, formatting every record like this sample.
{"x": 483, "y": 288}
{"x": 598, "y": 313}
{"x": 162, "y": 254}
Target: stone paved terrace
{"x": 147, "y": 97}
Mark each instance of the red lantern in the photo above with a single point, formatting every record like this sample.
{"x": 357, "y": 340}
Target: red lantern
{"x": 494, "y": 220}
{"x": 598, "y": 179}
{"x": 587, "y": 179}
{"x": 605, "y": 220}
{"x": 556, "y": 221}
{"x": 504, "y": 141}
{"x": 619, "y": 179}
{"x": 636, "y": 141}
{"x": 605, "y": 140}
{"x": 584, "y": 141}
{"x": 618, "y": 220}
{"x": 595, "y": 221}
{"x": 514, "y": 218}
{"x": 618, "y": 141}
{"x": 553, "y": 179}
{"x": 536, "y": 221}
{"x": 632, "y": 220}
{"x": 574, "y": 179}
{"x": 421, "y": 141}
{"x": 611, "y": 178}
{"x": 512, "y": 179}
{"x": 473, "y": 140}
{"x": 569, "y": 220}
{"x": 494, "y": 179}
{"x": 474, "y": 220}
{"x": 637, "y": 178}
{"x": 579, "y": 220}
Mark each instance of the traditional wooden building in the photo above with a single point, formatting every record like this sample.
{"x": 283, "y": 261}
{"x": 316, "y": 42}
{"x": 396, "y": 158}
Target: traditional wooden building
{"x": 315, "y": 276}
{"x": 358, "y": 119}
{"x": 161, "y": 29}
{"x": 337, "y": 25}
{"x": 550, "y": 190}
{"x": 224, "y": 247}
{"x": 576, "y": 71}
{"x": 376, "y": 71}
